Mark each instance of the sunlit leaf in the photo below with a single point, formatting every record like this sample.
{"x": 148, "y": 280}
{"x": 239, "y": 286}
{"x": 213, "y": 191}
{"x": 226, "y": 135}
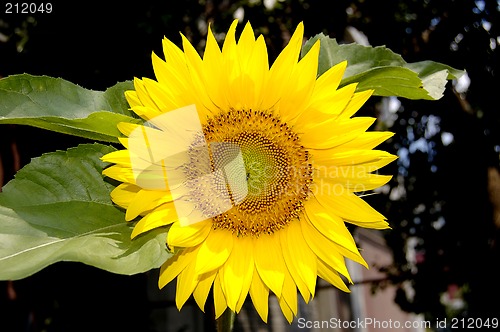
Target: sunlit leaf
{"x": 58, "y": 105}
{"x": 384, "y": 71}
{"x": 58, "y": 208}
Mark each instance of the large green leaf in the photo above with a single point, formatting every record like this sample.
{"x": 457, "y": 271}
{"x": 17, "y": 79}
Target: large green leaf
{"x": 382, "y": 70}
{"x": 58, "y": 208}
{"x": 58, "y": 105}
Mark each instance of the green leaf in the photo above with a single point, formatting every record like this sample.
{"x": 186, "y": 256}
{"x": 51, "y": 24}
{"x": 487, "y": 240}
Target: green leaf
{"x": 389, "y": 81}
{"x": 58, "y": 208}
{"x": 428, "y": 68}
{"x": 58, "y": 105}
{"x": 382, "y": 70}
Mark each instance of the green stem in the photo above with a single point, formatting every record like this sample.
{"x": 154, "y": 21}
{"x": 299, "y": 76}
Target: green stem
{"x": 225, "y": 321}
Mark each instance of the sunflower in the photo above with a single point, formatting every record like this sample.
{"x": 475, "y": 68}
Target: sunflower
{"x": 256, "y": 169}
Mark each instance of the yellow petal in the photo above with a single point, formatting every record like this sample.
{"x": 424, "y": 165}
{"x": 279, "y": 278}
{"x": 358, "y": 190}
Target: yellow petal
{"x": 258, "y": 71}
{"x": 369, "y": 160}
{"x": 146, "y": 200}
{"x": 146, "y": 112}
{"x": 352, "y": 209}
{"x": 325, "y": 106}
{"x": 372, "y": 224}
{"x": 366, "y": 141}
{"x": 230, "y": 40}
{"x": 299, "y": 258}
{"x": 157, "y": 93}
{"x": 120, "y": 157}
{"x": 132, "y": 98}
{"x": 341, "y": 240}
{"x": 300, "y": 86}
{"x": 357, "y": 100}
{"x": 334, "y": 180}
{"x": 330, "y": 225}
{"x": 175, "y": 264}
{"x": 324, "y": 249}
{"x": 186, "y": 283}
{"x": 237, "y": 272}
{"x": 175, "y": 58}
{"x": 327, "y": 273}
{"x": 188, "y": 235}
{"x": 213, "y": 73}
{"x": 253, "y": 67}
{"x": 195, "y": 67}
{"x": 232, "y": 69}
{"x": 142, "y": 93}
{"x": 126, "y": 128}
{"x": 332, "y": 133}
{"x": 124, "y": 193}
{"x": 146, "y": 147}
{"x": 123, "y": 141}
{"x": 119, "y": 173}
{"x": 289, "y": 294}
{"x": 175, "y": 73}
{"x": 170, "y": 76}
{"x": 353, "y": 157}
{"x": 259, "y": 293}
{"x": 219, "y": 298}
{"x": 214, "y": 251}
{"x": 247, "y": 281}
{"x": 202, "y": 290}
{"x": 285, "y": 308}
{"x": 269, "y": 262}
{"x": 161, "y": 216}
{"x": 330, "y": 79}
{"x": 245, "y": 44}
{"x": 281, "y": 69}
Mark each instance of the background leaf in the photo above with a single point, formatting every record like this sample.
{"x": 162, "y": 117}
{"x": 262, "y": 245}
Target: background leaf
{"x": 58, "y": 105}
{"x": 58, "y": 208}
{"x": 382, "y": 70}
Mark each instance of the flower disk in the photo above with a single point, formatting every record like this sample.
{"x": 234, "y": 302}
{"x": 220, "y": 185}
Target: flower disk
{"x": 277, "y": 171}
{"x": 255, "y": 170}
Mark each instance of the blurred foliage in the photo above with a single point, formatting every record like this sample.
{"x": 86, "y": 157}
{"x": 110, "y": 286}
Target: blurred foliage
{"x": 444, "y": 234}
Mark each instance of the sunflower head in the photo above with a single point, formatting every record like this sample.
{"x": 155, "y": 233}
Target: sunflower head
{"x": 254, "y": 168}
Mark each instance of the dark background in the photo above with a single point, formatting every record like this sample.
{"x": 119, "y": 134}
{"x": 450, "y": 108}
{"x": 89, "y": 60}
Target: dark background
{"x": 444, "y": 197}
